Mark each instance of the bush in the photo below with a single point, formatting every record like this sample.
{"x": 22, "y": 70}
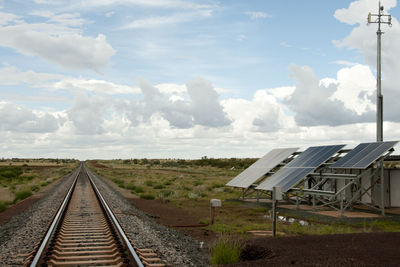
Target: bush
{"x": 147, "y": 196}
{"x": 137, "y": 189}
{"x": 35, "y": 188}
{"x": 10, "y": 172}
{"x": 149, "y": 183}
{"x": 43, "y": 184}
{"x": 158, "y": 186}
{"x": 20, "y": 195}
{"x": 119, "y": 182}
{"x": 130, "y": 186}
{"x": 225, "y": 251}
{"x": 3, "y": 205}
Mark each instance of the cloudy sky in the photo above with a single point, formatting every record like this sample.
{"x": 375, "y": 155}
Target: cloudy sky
{"x": 190, "y": 78}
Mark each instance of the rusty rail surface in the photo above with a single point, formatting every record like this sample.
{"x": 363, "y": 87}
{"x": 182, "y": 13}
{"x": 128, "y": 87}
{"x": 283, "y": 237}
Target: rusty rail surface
{"x": 85, "y": 232}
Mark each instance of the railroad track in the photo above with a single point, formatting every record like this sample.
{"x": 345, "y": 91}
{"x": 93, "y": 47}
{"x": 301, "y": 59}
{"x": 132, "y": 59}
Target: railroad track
{"x": 85, "y": 232}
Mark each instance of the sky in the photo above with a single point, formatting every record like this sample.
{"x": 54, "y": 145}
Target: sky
{"x": 107, "y": 79}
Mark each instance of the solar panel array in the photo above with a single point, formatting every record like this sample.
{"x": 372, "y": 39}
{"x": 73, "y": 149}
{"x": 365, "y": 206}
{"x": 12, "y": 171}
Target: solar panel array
{"x": 261, "y": 167}
{"x": 300, "y": 167}
{"x": 363, "y": 155}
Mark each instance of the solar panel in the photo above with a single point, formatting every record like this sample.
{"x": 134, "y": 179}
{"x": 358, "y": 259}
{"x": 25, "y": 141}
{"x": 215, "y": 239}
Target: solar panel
{"x": 363, "y": 155}
{"x": 314, "y": 156}
{"x": 261, "y": 167}
{"x": 300, "y": 167}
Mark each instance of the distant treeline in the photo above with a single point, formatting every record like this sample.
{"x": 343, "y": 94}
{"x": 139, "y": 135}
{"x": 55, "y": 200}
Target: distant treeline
{"x": 39, "y": 159}
{"x": 204, "y": 161}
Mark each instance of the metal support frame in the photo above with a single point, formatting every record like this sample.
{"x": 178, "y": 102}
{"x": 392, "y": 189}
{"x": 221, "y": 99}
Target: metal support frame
{"x": 335, "y": 198}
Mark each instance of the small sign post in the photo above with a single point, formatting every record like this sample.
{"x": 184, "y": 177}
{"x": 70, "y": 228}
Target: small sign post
{"x": 214, "y": 203}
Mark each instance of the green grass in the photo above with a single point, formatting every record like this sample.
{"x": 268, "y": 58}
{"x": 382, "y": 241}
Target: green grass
{"x": 3, "y": 205}
{"x": 20, "y": 195}
{"x": 225, "y": 251}
{"x": 158, "y": 186}
{"x": 149, "y": 183}
{"x": 147, "y": 196}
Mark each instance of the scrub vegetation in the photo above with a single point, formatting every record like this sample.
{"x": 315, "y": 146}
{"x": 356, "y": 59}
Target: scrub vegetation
{"x": 190, "y": 184}
{"x": 21, "y": 178}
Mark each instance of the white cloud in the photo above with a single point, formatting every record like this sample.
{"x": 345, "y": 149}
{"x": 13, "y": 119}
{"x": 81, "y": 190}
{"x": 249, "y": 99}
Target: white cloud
{"x": 180, "y": 109}
{"x": 58, "y": 44}
{"x": 355, "y": 88}
{"x": 99, "y": 86}
{"x": 11, "y": 75}
{"x": 345, "y": 63}
{"x": 358, "y": 10}
{"x": 66, "y": 19}
{"x": 110, "y": 14}
{"x": 257, "y": 14}
{"x": 162, "y": 21}
{"x": 17, "y": 118}
{"x": 314, "y": 104}
{"x": 87, "y": 114}
{"x": 282, "y": 93}
{"x": 6, "y": 18}
{"x": 177, "y": 4}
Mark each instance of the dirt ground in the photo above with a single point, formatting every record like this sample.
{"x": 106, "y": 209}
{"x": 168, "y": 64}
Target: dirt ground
{"x": 366, "y": 249}
{"x": 178, "y": 218}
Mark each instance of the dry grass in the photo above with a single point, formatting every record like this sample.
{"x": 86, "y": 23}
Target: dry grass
{"x": 30, "y": 175}
{"x": 192, "y": 187}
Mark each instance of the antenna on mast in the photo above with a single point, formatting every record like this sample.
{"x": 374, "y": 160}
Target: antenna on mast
{"x": 379, "y": 97}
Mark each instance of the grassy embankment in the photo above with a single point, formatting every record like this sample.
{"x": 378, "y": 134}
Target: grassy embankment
{"x": 20, "y": 178}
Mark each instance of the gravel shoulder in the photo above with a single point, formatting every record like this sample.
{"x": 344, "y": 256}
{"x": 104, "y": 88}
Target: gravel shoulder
{"x": 24, "y": 224}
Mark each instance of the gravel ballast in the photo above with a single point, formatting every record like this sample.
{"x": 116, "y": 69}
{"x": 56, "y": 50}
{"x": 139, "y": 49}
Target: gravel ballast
{"x": 24, "y": 231}
{"x": 171, "y": 246}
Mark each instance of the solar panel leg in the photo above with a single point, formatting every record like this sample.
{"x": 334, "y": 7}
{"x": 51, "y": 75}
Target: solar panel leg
{"x": 313, "y": 203}
{"x": 382, "y": 189}
{"x": 242, "y": 193}
{"x": 297, "y": 200}
{"x": 274, "y": 218}
{"x": 341, "y": 204}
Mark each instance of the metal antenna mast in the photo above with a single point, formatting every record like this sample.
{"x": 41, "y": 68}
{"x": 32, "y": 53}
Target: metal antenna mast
{"x": 379, "y": 96}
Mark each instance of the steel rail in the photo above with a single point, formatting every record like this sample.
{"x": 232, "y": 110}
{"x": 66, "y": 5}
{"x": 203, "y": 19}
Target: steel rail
{"x": 115, "y": 222}
{"x": 55, "y": 222}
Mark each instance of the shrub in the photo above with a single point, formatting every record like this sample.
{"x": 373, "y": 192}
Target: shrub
{"x": 158, "y": 186}
{"x": 119, "y": 182}
{"x": 225, "y": 251}
{"x": 3, "y": 205}
{"x": 138, "y": 189}
{"x": 166, "y": 193}
{"x": 149, "y": 183}
{"x": 35, "y": 188}
{"x": 197, "y": 182}
{"x": 43, "y": 184}
{"x": 147, "y": 196}
{"x": 130, "y": 186}
{"x": 20, "y": 195}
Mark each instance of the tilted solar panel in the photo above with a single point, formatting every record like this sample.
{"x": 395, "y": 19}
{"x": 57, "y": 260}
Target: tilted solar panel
{"x": 314, "y": 156}
{"x": 261, "y": 167}
{"x": 300, "y": 167}
{"x": 364, "y": 155}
